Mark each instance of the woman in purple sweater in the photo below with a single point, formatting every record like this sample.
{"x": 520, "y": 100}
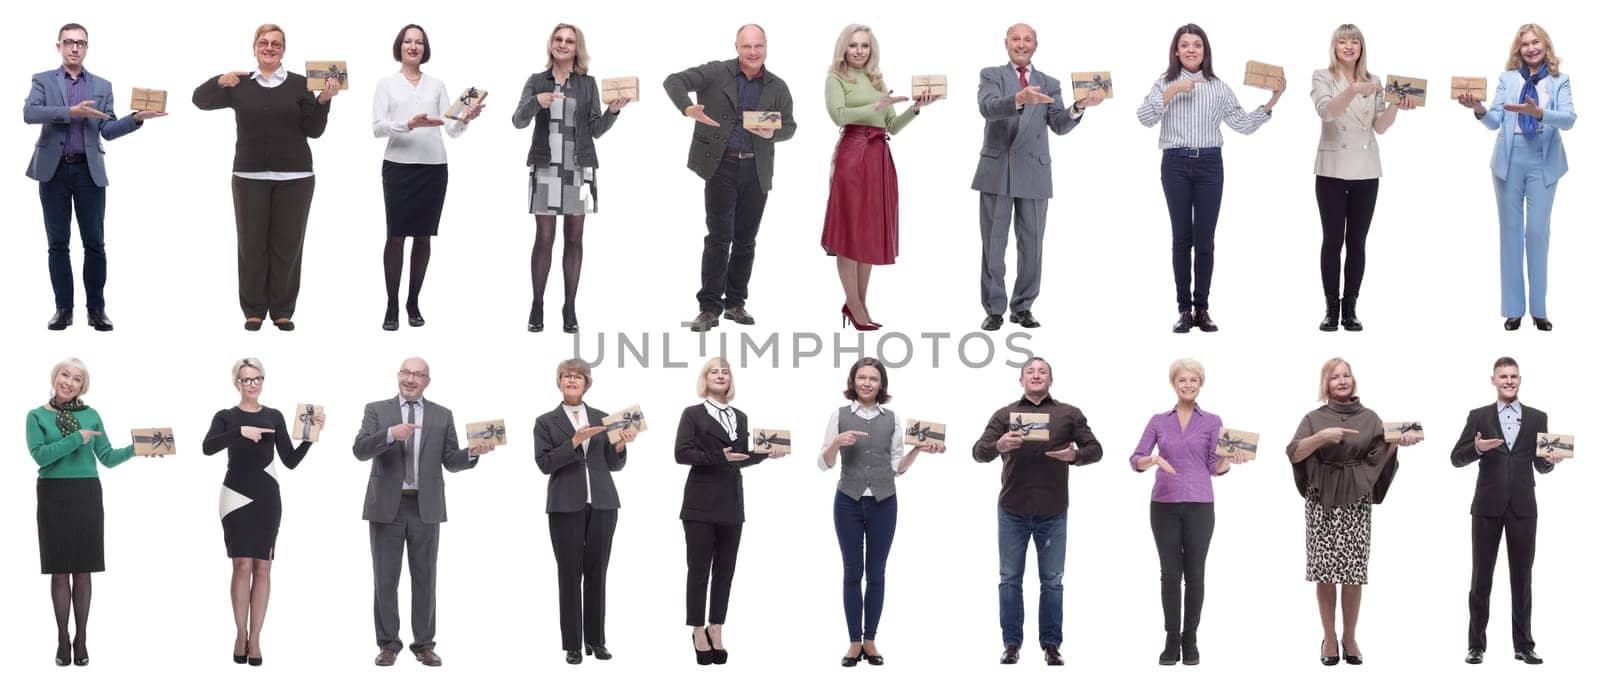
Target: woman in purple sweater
{"x": 1182, "y": 443}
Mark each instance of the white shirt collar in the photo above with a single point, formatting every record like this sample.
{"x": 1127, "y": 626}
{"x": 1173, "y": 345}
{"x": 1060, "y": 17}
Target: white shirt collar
{"x": 271, "y": 80}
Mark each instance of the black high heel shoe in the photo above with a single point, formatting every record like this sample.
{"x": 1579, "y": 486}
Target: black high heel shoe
{"x": 569, "y": 319}
{"x": 719, "y": 656}
{"x": 80, "y": 659}
{"x": 414, "y": 316}
{"x": 872, "y": 659}
{"x": 1352, "y": 659}
{"x": 851, "y": 661}
{"x": 64, "y": 654}
{"x": 536, "y": 318}
{"x": 391, "y": 322}
{"x": 1331, "y": 660}
{"x": 701, "y": 657}
{"x": 241, "y": 658}
{"x": 598, "y": 651}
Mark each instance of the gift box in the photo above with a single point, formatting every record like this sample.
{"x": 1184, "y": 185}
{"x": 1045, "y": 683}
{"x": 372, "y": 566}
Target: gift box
{"x": 1396, "y": 86}
{"x": 763, "y": 119}
{"x": 929, "y": 83}
{"x": 630, "y": 418}
{"x": 1477, "y": 86}
{"x": 1392, "y": 430}
{"x": 471, "y": 97}
{"x": 306, "y": 428}
{"x": 1556, "y": 445}
{"x": 317, "y": 71}
{"x": 1033, "y": 425}
{"x": 619, "y": 87}
{"x": 1230, "y": 441}
{"x": 919, "y": 432}
{"x": 1084, "y": 82}
{"x": 148, "y": 100}
{"x": 768, "y": 440}
{"x": 492, "y": 431}
{"x": 1262, "y": 75}
{"x": 154, "y": 441}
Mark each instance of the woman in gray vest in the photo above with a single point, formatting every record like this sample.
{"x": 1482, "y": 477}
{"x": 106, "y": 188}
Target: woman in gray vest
{"x": 864, "y": 439}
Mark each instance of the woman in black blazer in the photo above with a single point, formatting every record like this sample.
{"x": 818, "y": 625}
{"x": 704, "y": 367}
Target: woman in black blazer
{"x": 562, "y": 101}
{"x": 714, "y": 441}
{"x": 582, "y": 505}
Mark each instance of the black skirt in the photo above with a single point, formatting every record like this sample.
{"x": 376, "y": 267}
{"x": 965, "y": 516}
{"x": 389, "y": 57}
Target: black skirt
{"x": 413, "y": 197}
{"x": 72, "y": 526}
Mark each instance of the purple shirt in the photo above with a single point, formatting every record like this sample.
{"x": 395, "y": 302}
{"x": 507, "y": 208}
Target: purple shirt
{"x": 77, "y": 92}
{"x": 1191, "y": 452}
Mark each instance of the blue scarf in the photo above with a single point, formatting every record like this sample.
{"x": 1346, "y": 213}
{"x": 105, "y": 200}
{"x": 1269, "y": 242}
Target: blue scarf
{"x": 1530, "y": 92}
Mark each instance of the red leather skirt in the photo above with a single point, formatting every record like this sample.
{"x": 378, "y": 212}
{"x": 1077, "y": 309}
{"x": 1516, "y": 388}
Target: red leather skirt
{"x": 863, "y": 221}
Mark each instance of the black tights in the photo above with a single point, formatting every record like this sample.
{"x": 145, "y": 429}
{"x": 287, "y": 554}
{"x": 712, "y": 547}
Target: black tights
{"x": 1346, "y": 208}
{"x": 421, "y": 251}
{"x": 571, "y": 258}
{"x": 71, "y": 593}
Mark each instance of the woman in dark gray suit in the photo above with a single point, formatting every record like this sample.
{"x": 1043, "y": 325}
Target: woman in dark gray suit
{"x": 582, "y": 504}
{"x": 563, "y": 101}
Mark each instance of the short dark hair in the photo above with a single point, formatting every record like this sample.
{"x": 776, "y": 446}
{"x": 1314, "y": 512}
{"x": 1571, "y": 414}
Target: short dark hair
{"x": 883, "y": 380}
{"x": 400, "y": 39}
{"x": 70, "y": 26}
{"x": 1506, "y": 362}
{"x": 1175, "y": 66}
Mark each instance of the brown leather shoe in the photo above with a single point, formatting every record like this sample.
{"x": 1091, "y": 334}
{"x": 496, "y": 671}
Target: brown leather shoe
{"x": 385, "y": 657}
{"x": 739, "y": 316}
{"x": 706, "y": 321}
{"x": 428, "y": 658}
{"x": 1010, "y": 655}
{"x": 1052, "y": 655}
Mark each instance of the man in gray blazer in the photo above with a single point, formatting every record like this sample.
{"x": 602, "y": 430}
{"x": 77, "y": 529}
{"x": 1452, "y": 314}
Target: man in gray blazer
{"x": 411, "y": 442}
{"x": 1018, "y": 102}
{"x": 74, "y": 111}
{"x": 736, "y": 162}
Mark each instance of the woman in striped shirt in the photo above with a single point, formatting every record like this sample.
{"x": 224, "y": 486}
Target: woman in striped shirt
{"x": 1191, "y": 103}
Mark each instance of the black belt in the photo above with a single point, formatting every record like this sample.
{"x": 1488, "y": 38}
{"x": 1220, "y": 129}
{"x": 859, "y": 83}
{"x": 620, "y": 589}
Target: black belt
{"x": 738, "y": 155}
{"x": 409, "y": 493}
{"x": 70, "y": 158}
{"x": 1194, "y": 153}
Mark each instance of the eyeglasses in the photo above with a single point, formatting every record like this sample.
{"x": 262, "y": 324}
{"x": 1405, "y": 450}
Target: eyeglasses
{"x": 252, "y": 381}
{"x": 407, "y": 373}
{"x": 74, "y": 43}
{"x": 269, "y": 44}
{"x": 570, "y": 376}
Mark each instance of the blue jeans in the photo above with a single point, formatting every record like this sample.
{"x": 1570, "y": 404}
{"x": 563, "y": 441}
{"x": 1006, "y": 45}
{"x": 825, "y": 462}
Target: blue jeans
{"x": 1193, "y": 187}
{"x": 1049, "y": 534}
{"x": 866, "y": 530}
{"x": 73, "y": 189}
{"x": 1524, "y": 235}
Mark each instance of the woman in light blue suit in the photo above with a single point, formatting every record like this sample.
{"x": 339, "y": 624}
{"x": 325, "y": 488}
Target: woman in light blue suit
{"x": 1531, "y": 105}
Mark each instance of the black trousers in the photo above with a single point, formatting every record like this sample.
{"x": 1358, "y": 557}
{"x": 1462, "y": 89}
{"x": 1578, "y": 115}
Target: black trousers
{"x": 1346, "y": 207}
{"x": 582, "y": 543}
{"x": 1183, "y": 536}
{"x": 1193, "y": 187}
{"x": 270, "y": 216}
{"x": 734, "y": 203}
{"x": 1520, "y": 535}
{"x": 713, "y": 552}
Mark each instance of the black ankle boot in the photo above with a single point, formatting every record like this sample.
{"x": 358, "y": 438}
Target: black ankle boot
{"x": 1347, "y": 311}
{"x": 536, "y": 317}
{"x": 1191, "y": 650}
{"x": 1330, "y": 320}
{"x": 1171, "y": 654}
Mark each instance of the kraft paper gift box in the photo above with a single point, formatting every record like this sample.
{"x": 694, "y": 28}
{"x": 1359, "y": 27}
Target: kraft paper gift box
{"x": 759, "y": 119}
{"x": 471, "y": 97}
{"x": 1261, "y": 74}
{"x": 154, "y": 441}
{"x": 768, "y": 440}
{"x": 1477, "y": 86}
{"x": 148, "y": 100}
{"x": 1033, "y": 425}
{"x": 630, "y": 418}
{"x": 1556, "y": 445}
{"x": 319, "y": 70}
{"x": 1230, "y": 440}
{"x": 306, "y": 427}
{"x": 1084, "y": 82}
{"x": 619, "y": 87}
{"x": 935, "y": 84}
{"x": 1392, "y": 430}
{"x": 493, "y": 431}
{"x": 1396, "y": 86}
{"x": 919, "y": 432}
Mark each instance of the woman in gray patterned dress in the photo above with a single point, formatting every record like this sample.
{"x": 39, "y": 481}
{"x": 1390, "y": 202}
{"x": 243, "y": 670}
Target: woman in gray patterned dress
{"x": 563, "y": 102}
{"x": 1342, "y": 467}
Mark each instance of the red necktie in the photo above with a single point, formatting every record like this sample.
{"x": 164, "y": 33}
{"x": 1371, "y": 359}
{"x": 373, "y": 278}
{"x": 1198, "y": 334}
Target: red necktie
{"x": 1022, "y": 76}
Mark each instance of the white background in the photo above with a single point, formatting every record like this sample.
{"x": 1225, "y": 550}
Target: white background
{"x": 1430, "y": 302}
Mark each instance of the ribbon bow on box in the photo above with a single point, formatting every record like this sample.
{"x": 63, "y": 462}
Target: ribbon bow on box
{"x": 766, "y": 440}
{"x": 1235, "y": 443}
{"x": 1404, "y": 88}
{"x": 156, "y": 440}
{"x": 490, "y": 432}
{"x": 1407, "y": 426}
{"x": 468, "y": 96}
{"x": 1554, "y": 443}
{"x": 1027, "y": 427}
{"x": 629, "y": 420}
{"x": 308, "y": 421}
{"x": 332, "y": 71}
{"x": 923, "y": 433}
{"x": 1098, "y": 82}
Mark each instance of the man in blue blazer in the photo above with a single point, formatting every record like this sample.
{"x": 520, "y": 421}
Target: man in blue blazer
{"x": 1018, "y": 103}
{"x": 74, "y": 111}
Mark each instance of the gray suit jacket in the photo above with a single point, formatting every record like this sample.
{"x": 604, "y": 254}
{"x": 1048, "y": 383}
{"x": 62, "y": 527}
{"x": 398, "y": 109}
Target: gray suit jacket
{"x": 439, "y": 452}
{"x": 47, "y": 105}
{"x": 1015, "y": 160}
{"x": 569, "y": 488}
{"x": 716, "y": 87}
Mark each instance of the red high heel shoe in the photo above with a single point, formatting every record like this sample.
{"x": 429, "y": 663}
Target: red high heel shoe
{"x": 849, "y": 318}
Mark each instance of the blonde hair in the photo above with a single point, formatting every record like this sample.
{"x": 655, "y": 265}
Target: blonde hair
{"x": 703, "y": 389}
{"x": 580, "y": 62}
{"x": 73, "y": 363}
{"x": 1327, "y": 371}
{"x": 576, "y": 366}
{"x": 1343, "y": 32}
{"x": 269, "y": 28}
{"x": 841, "y": 63}
{"x": 1186, "y": 364}
{"x": 251, "y": 362}
{"x": 1515, "y": 61}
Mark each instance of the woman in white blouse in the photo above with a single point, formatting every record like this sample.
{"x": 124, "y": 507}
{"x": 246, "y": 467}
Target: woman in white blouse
{"x": 1191, "y": 103}
{"x": 1351, "y": 103}
{"x": 408, "y": 108}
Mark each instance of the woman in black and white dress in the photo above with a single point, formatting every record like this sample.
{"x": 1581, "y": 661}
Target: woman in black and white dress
{"x": 249, "y": 504}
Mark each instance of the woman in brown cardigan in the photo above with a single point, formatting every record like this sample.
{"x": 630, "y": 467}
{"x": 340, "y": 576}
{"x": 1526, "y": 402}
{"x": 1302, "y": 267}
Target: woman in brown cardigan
{"x": 1342, "y": 467}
